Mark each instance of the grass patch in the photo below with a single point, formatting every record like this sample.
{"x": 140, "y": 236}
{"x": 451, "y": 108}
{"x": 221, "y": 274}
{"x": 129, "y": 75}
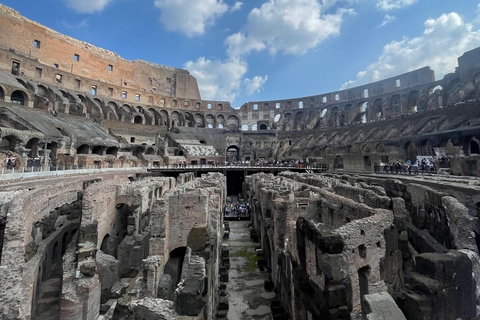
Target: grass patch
{"x": 251, "y": 259}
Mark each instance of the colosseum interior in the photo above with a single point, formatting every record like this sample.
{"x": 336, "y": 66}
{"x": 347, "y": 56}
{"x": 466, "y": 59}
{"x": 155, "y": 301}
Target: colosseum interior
{"x": 115, "y": 176}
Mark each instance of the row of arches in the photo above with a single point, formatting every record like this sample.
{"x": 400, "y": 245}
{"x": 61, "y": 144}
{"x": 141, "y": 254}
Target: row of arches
{"x": 14, "y": 95}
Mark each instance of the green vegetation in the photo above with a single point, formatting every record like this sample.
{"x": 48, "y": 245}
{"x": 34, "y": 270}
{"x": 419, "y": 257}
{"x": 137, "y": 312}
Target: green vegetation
{"x": 251, "y": 258}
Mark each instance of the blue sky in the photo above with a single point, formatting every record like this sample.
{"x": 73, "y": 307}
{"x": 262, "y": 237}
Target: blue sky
{"x": 254, "y": 50}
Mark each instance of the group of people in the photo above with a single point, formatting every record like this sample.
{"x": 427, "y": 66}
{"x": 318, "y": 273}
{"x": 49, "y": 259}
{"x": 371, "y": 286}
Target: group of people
{"x": 237, "y": 210}
{"x": 271, "y": 163}
{"x": 424, "y": 165}
{"x": 10, "y": 162}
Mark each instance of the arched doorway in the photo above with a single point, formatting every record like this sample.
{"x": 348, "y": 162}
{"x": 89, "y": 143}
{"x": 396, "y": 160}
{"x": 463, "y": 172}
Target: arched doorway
{"x": 232, "y": 154}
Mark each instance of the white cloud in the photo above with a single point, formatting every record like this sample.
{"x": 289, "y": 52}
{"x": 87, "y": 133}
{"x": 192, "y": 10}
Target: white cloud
{"x": 387, "y": 5}
{"x": 81, "y": 24}
{"x": 254, "y": 85}
{"x": 190, "y": 17}
{"x": 386, "y": 20}
{"x": 87, "y": 6}
{"x": 223, "y": 80}
{"x": 237, "y": 6}
{"x": 476, "y": 21}
{"x": 443, "y": 41}
{"x": 292, "y": 27}
{"x": 218, "y": 80}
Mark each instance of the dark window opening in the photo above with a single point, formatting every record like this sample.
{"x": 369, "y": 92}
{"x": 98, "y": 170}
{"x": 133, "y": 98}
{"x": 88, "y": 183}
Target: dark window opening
{"x": 110, "y": 67}
{"x": 78, "y": 83}
{"x": 15, "y": 68}
{"x": 17, "y": 97}
{"x": 94, "y": 90}
{"x": 76, "y": 57}
{"x": 169, "y": 80}
{"x": 132, "y": 139}
{"x": 110, "y": 91}
{"x": 124, "y": 94}
{"x": 58, "y": 78}
{"x": 36, "y": 44}
{"x": 38, "y": 72}
{"x": 55, "y": 65}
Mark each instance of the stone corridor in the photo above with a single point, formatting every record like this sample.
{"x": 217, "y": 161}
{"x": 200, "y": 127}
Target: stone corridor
{"x": 247, "y": 296}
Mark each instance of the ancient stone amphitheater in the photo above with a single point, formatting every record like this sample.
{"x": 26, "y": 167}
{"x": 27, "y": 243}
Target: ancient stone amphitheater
{"x": 115, "y": 175}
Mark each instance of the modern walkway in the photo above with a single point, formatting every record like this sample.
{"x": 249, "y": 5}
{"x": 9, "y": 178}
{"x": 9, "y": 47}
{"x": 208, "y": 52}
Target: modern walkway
{"x": 247, "y": 297}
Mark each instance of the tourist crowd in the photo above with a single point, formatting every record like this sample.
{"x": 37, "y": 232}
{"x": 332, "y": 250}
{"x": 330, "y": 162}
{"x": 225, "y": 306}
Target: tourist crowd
{"x": 237, "y": 210}
{"x": 420, "y": 166}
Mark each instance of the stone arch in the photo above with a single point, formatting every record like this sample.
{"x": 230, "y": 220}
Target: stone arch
{"x": 232, "y": 122}
{"x": 2, "y": 93}
{"x": 112, "y": 108}
{"x": 254, "y": 127}
{"x": 112, "y": 151}
{"x": 150, "y": 151}
{"x": 263, "y": 126}
{"x": 245, "y": 127}
{"x": 411, "y": 151}
{"x": 151, "y": 116}
{"x": 377, "y": 110}
{"x": 138, "y": 119}
{"x": 98, "y": 150}
{"x": 427, "y": 148}
{"x": 394, "y": 105}
{"x": 232, "y": 153}
{"x": 199, "y": 120}
{"x": 9, "y": 142}
{"x": 140, "y": 109}
{"x": 297, "y": 125}
{"x": 19, "y": 97}
{"x": 189, "y": 120}
{"x": 221, "y": 120}
{"x": 164, "y": 118}
{"x": 412, "y": 98}
{"x": 176, "y": 119}
{"x": 83, "y": 149}
{"x": 380, "y": 148}
{"x": 33, "y": 145}
{"x": 42, "y": 91}
{"x": 210, "y": 119}
{"x": 287, "y": 125}
{"x": 474, "y": 147}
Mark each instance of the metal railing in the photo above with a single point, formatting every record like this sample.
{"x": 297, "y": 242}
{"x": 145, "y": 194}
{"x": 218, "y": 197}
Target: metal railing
{"x": 7, "y": 175}
{"x": 313, "y": 166}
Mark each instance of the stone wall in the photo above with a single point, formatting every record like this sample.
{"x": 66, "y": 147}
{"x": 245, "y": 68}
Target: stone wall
{"x": 330, "y": 240}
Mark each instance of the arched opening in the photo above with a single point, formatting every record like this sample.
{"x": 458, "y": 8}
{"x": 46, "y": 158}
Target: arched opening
{"x": 474, "y": 148}
{"x": 232, "y": 122}
{"x": 263, "y": 126}
{"x": 254, "y": 127}
{"x": 112, "y": 151}
{"x": 9, "y": 143}
{"x": 32, "y": 144}
{"x": 173, "y": 269}
{"x": 138, "y": 119}
{"x": 105, "y": 246}
{"x": 83, "y": 149}
{"x": 18, "y": 97}
{"x": 138, "y": 152}
{"x": 245, "y": 127}
{"x": 411, "y": 151}
{"x": 64, "y": 243}
{"x": 363, "y": 281}
{"x": 2, "y": 94}
{"x": 427, "y": 149}
{"x": 232, "y": 154}
{"x": 150, "y": 151}
{"x": 220, "y": 126}
{"x": 210, "y": 126}
{"x": 98, "y": 150}
{"x": 277, "y": 117}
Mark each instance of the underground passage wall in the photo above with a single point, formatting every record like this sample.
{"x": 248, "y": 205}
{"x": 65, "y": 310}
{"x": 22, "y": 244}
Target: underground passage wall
{"x": 102, "y": 243}
{"x": 342, "y": 246}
